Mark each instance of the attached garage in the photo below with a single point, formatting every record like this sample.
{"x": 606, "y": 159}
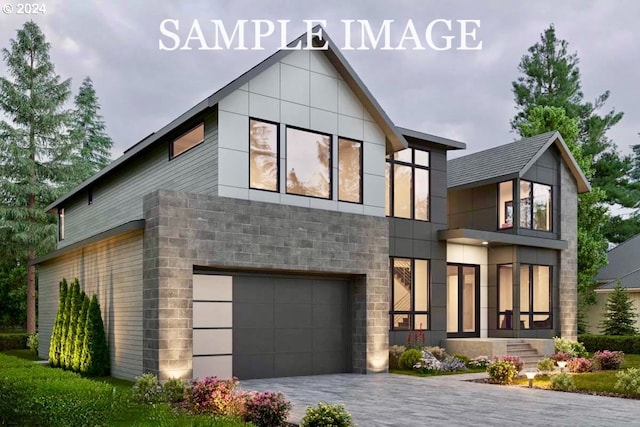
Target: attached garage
{"x": 262, "y": 326}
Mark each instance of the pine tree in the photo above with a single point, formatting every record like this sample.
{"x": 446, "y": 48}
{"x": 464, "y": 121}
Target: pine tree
{"x": 74, "y": 323}
{"x": 620, "y": 314}
{"x": 551, "y": 78}
{"x": 79, "y": 344}
{"x": 34, "y": 151}
{"x": 71, "y": 323}
{"x": 92, "y": 144}
{"x": 56, "y": 333}
{"x": 95, "y": 355}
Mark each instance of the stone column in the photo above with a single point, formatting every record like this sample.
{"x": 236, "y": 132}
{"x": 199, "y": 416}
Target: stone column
{"x": 568, "y": 277}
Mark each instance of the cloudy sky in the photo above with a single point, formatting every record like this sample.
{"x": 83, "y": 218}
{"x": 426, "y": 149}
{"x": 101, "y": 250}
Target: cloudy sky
{"x": 464, "y": 95}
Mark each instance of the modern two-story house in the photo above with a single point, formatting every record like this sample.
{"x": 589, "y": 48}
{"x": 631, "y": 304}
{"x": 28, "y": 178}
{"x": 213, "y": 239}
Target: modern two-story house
{"x": 286, "y": 226}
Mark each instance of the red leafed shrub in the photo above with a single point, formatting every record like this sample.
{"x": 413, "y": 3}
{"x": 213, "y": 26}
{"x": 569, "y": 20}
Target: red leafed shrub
{"x": 560, "y": 356}
{"x": 267, "y": 409}
{"x": 580, "y": 365}
{"x": 214, "y": 396}
{"x": 608, "y": 360}
{"x": 514, "y": 360}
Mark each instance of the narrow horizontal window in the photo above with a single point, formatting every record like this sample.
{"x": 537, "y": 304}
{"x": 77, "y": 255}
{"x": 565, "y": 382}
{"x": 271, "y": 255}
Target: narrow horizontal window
{"x": 187, "y": 141}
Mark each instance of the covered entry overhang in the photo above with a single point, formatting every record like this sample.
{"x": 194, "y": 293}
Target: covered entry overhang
{"x": 468, "y": 236}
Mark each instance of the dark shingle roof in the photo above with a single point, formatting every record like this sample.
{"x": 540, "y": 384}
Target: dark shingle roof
{"x": 630, "y": 281}
{"x": 508, "y": 159}
{"x": 623, "y": 264}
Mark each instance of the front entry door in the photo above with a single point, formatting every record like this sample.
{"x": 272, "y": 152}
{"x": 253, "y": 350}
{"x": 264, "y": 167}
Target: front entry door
{"x": 463, "y": 300}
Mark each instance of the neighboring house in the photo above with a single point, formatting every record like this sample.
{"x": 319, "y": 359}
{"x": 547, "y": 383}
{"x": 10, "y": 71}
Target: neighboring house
{"x": 624, "y": 266}
{"x": 252, "y": 237}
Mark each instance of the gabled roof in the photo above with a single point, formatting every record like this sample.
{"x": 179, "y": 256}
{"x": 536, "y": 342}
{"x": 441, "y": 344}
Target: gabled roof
{"x": 624, "y": 264}
{"x": 395, "y": 139}
{"x": 510, "y": 161}
{"x": 446, "y": 143}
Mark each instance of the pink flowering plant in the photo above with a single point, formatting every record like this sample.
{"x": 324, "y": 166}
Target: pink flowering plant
{"x": 215, "y": 396}
{"x": 514, "y": 360}
{"x": 608, "y": 360}
{"x": 580, "y": 365}
{"x": 267, "y": 409}
{"x": 561, "y": 356}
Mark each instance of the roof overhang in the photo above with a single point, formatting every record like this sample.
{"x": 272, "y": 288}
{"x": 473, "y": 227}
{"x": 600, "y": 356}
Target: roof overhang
{"x": 581, "y": 180}
{"x": 446, "y": 143}
{"x": 467, "y": 236}
{"x": 608, "y": 290}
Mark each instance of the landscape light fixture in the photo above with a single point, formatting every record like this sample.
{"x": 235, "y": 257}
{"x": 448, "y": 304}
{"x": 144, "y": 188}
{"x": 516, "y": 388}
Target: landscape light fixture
{"x": 562, "y": 364}
{"x": 530, "y": 376}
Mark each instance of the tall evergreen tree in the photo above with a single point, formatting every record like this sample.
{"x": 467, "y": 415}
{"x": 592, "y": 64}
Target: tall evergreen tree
{"x": 95, "y": 353}
{"x": 34, "y": 151}
{"x": 92, "y": 144}
{"x": 620, "y": 314}
{"x": 551, "y": 77}
{"x": 74, "y": 323}
{"x": 78, "y": 347}
{"x": 56, "y": 333}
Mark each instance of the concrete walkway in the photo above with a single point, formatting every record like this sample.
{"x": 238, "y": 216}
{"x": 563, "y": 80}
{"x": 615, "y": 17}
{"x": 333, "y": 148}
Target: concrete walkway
{"x": 399, "y": 400}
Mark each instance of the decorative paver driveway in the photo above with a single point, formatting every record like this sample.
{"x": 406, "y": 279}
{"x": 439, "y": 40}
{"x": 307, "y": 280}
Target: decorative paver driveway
{"x": 399, "y": 400}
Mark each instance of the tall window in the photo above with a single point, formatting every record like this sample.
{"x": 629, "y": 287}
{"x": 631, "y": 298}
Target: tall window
{"x": 407, "y": 189}
{"x": 349, "y": 170}
{"x": 535, "y": 206}
{"x": 409, "y": 294}
{"x": 308, "y": 163}
{"x": 187, "y": 141}
{"x": 60, "y": 223}
{"x": 505, "y": 296}
{"x": 505, "y": 210}
{"x": 535, "y": 297}
{"x": 263, "y": 155}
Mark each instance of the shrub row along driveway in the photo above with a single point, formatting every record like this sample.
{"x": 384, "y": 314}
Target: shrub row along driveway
{"x": 399, "y": 400}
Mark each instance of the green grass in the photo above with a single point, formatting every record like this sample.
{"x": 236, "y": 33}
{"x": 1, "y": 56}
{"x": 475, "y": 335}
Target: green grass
{"x": 601, "y": 381}
{"x": 22, "y": 354}
{"x": 434, "y": 373}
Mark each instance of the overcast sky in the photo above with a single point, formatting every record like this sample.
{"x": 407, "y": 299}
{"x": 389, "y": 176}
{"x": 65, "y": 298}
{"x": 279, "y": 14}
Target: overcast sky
{"x": 464, "y": 95}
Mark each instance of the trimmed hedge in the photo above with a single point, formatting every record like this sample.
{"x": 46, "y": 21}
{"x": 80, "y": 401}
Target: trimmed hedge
{"x": 13, "y": 341}
{"x": 629, "y": 344}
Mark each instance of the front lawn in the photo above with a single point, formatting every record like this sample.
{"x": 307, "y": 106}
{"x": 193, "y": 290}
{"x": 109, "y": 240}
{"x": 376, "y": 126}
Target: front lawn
{"x": 600, "y": 382}
{"x": 22, "y": 354}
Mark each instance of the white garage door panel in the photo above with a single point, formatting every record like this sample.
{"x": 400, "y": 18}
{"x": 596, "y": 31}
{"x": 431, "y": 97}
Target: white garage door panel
{"x": 212, "y": 341}
{"x": 212, "y": 315}
{"x": 212, "y": 366}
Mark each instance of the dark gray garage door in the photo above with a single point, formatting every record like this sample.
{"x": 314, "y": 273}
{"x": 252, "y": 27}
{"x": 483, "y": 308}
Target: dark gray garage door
{"x": 286, "y": 326}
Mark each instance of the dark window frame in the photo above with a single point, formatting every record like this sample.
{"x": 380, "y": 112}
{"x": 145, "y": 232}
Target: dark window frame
{"x": 391, "y": 161}
{"x": 361, "y": 195}
{"x": 277, "y": 125}
{"x": 460, "y": 268}
{"x": 411, "y": 312}
{"x": 504, "y": 313}
{"x": 513, "y": 206}
{"x": 60, "y": 224}
{"x": 286, "y": 161}
{"x": 530, "y": 199}
{"x": 90, "y": 196}
{"x": 530, "y": 312}
{"x": 173, "y": 141}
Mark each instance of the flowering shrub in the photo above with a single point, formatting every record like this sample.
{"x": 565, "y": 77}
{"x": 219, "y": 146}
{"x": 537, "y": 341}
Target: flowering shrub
{"x": 480, "y": 362}
{"x": 501, "y": 372}
{"x": 416, "y": 340}
{"x": 428, "y": 363}
{"x": 562, "y": 382}
{"x": 608, "y": 360}
{"x": 267, "y": 409}
{"x": 33, "y": 342}
{"x": 572, "y": 348}
{"x": 147, "y": 389}
{"x": 546, "y": 365}
{"x": 214, "y": 396}
{"x": 395, "y": 351}
{"x": 409, "y": 358}
{"x": 437, "y": 352}
{"x": 580, "y": 365}
{"x": 560, "y": 356}
{"x": 514, "y": 360}
{"x": 629, "y": 380}
{"x": 452, "y": 364}
{"x": 327, "y": 415}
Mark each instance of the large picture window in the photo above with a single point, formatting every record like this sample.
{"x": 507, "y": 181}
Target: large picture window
{"x": 409, "y": 294}
{"x": 408, "y": 184}
{"x": 263, "y": 155}
{"x": 505, "y": 296}
{"x": 535, "y": 206}
{"x": 308, "y": 163}
{"x": 535, "y": 297}
{"x": 349, "y": 170}
{"x": 187, "y": 141}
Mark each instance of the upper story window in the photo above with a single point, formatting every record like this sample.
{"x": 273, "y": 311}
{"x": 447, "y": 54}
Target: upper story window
{"x": 308, "y": 163}
{"x": 263, "y": 155}
{"x": 407, "y": 189}
{"x": 409, "y": 294}
{"x": 187, "y": 141}
{"x": 60, "y": 223}
{"x": 534, "y": 204}
{"x": 349, "y": 170}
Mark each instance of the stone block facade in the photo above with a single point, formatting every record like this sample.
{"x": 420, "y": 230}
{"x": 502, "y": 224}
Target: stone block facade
{"x": 567, "y": 288}
{"x": 184, "y": 230}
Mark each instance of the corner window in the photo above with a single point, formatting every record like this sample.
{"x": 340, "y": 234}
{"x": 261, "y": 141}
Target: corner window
{"x": 263, "y": 155}
{"x": 308, "y": 163}
{"x": 505, "y": 210}
{"x": 60, "y": 223}
{"x": 505, "y": 296}
{"x": 409, "y": 294}
{"x": 187, "y": 141}
{"x": 535, "y": 297}
{"x": 535, "y": 206}
{"x": 349, "y": 170}
{"x": 408, "y": 184}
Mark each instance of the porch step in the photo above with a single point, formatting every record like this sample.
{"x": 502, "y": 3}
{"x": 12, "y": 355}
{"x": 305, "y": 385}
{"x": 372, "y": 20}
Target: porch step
{"x": 525, "y": 352}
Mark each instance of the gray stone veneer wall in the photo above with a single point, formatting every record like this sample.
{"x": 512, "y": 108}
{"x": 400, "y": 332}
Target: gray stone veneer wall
{"x": 184, "y": 229}
{"x": 568, "y": 285}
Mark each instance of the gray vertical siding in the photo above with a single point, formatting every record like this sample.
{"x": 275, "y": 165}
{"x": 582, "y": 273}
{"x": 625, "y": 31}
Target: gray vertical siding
{"x": 112, "y": 269}
{"x": 117, "y": 199}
